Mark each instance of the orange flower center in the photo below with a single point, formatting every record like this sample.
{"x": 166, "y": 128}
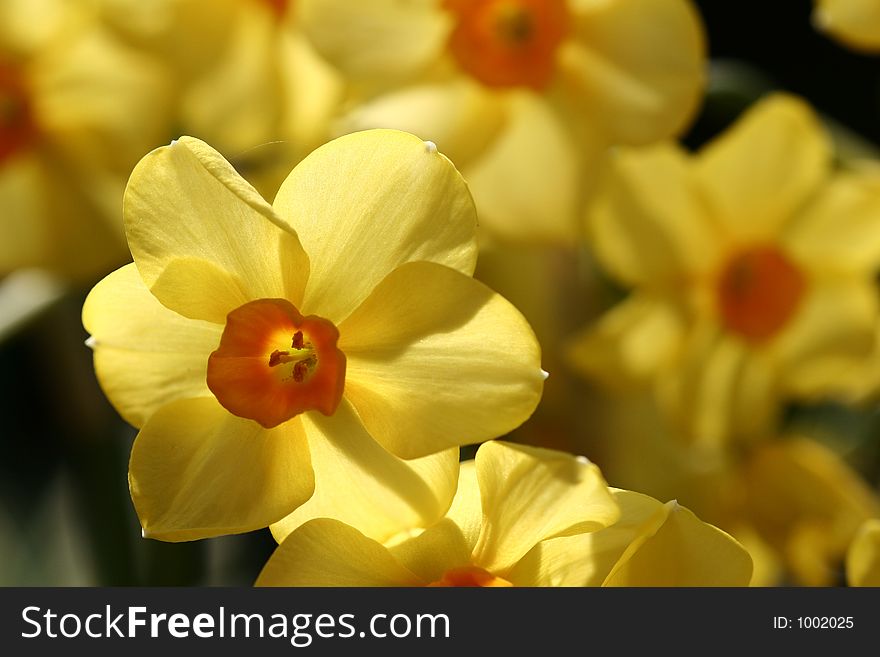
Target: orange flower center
{"x": 277, "y": 7}
{"x": 273, "y": 363}
{"x": 759, "y": 291}
{"x": 470, "y": 576}
{"x": 508, "y": 43}
{"x": 17, "y": 128}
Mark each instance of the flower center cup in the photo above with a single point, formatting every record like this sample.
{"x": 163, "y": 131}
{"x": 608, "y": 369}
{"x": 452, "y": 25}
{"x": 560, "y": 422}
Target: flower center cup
{"x": 469, "y": 576}
{"x": 508, "y": 43}
{"x": 17, "y": 128}
{"x": 273, "y": 363}
{"x": 277, "y": 7}
{"x": 759, "y": 291}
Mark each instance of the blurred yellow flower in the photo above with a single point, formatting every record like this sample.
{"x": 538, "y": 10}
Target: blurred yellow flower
{"x": 791, "y": 501}
{"x": 77, "y": 110}
{"x": 855, "y": 23}
{"x": 751, "y": 267}
{"x": 804, "y": 503}
{"x": 254, "y": 343}
{"x": 248, "y": 82}
{"x": 524, "y": 96}
{"x": 863, "y": 557}
{"x": 522, "y": 516}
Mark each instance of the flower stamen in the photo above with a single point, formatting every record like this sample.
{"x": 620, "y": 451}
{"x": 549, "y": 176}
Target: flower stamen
{"x": 255, "y": 375}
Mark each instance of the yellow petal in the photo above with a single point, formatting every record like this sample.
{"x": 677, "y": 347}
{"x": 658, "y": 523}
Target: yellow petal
{"x": 760, "y": 171}
{"x": 639, "y": 69}
{"x": 145, "y": 354}
{"x": 863, "y": 557}
{"x": 203, "y": 240}
{"x": 648, "y": 224}
{"x": 530, "y": 494}
{"x": 25, "y": 230}
{"x": 631, "y": 343}
{"x": 840, "y": 229}
{"x": 808, "y": 504}
{"x": 527, "y": 184}
{"x": 435, "y": 359}
{"x": 432, "y": 553}
{"x": 101, "y": 103}
{"x": 364, "y": 204}
{"x": 326, "y": 552}
{"x": 393, "y": 495}
{"x": 375, "y": 41}
{"x": 467, "y": 510}
{"x": 720, "y": 389}
{"x": 854, "y": 22}
{"x": 587, "y": 559}
{"x": 198, "y": 471}
{"x": 461, "y": 117}
{"x": 683, "y": 551}
{"x": 236, "y": 105}
{"x": 833, "y": 332}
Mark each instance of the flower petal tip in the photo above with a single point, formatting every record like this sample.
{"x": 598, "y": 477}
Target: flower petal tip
{"x": 821, "y": 20}
{"x": 430, "y": 147}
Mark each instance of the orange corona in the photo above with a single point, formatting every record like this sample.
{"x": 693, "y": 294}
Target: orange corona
{"x": 470, "y": 576}
{"x": 508, "y": 43}
{"x": 17, "y": 128}
{"x": 273, "y": 363}
{"x": 759, "y": 291}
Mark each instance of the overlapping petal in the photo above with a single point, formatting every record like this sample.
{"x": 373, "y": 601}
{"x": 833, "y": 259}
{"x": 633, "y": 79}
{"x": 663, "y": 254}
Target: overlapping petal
{"x": 587, "y": 559}
{"x": 682, "y": 551}
{"x": 808, "y": 504}
{"x": 833, "y": 332}
{"x": 326, "y": 552}
{"x": 376, "y": 40}
{"x": 529, "y": 494}
{"x": 837, "y": 231}
{"x": 528, "y": 183}
{"x": 362, "y": 485}
{"x": 631, "y": 343}
{"x": 203, "y": 239}
{"x": 435, "y": 359}
{"x": 458, "y": 115}
{"x": 649, "y": 223}
{"x": 638, "y": 67}
{"x": 197, "y": 471}
{"x": 753, "y": 197}
{"x": 366, "y": 203}
{"x": 145, "y": 355}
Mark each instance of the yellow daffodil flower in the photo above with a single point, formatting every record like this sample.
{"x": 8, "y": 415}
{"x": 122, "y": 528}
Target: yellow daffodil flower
{"x": 270, "y": 351}
{"x": 855, "y": 23}
{"x": 248, "y": 82}
{"x": 751, "y": 267}
{"x": 522, "y": 516}
{"x": 524, "y": 96}
{"x": 794, "y": 503}
{"x": 863, "y": 557}
{"x": 77, "y": 110}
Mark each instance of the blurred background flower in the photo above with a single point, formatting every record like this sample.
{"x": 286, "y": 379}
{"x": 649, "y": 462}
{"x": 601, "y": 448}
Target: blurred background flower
{"x": 536, "y": 103}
